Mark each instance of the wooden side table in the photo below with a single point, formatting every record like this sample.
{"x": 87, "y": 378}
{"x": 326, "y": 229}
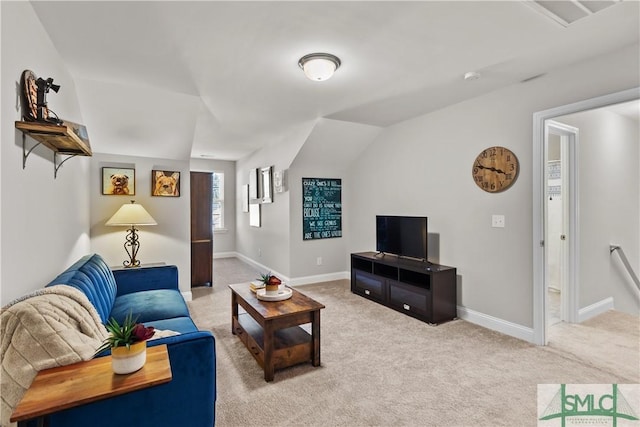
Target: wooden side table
{"x": 65, "y": 387}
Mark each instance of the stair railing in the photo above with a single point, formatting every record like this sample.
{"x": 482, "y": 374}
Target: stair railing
{"x": 625, "y": 261}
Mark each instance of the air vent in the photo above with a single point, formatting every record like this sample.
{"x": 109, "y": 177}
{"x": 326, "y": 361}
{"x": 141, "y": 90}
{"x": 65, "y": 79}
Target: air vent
{"x": 566, "y": 12}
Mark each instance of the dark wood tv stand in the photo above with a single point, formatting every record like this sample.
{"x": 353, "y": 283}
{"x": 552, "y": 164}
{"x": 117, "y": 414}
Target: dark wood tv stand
{"x": 419, "y": 289}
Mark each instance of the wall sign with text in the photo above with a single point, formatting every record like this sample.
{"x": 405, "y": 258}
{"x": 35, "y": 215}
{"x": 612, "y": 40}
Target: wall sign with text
{"x": 321, "y": 208}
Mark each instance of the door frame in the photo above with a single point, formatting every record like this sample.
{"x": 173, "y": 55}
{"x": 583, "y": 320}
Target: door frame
{"x": 539, "y": 183}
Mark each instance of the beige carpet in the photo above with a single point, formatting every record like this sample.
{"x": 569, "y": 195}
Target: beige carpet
{"x": 610, "y": 341}
{"x": 382, "y": 368}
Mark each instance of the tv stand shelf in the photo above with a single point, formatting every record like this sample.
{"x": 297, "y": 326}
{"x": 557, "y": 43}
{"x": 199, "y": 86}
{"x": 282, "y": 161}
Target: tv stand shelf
{"x": 419, "y": 289}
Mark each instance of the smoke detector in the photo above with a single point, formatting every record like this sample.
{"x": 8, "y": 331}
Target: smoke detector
{"x": 471, "y": 75}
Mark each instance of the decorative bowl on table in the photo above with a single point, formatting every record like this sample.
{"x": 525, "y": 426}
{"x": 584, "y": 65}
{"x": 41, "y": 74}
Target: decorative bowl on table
{"x": 281, "y": 294}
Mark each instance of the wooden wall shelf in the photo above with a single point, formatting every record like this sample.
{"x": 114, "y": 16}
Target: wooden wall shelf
{"x": 61, "y": 139}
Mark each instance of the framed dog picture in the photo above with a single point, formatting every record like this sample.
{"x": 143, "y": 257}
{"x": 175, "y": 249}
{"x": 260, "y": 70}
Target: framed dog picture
{"x": 165, "y": 183}
{"x": 118, "y": 181}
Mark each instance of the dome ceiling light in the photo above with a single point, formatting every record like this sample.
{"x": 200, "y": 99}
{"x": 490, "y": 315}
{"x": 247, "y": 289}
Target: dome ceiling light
{"x": 319, "y": 66}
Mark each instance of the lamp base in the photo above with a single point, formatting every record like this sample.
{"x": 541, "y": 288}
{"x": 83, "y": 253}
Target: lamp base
{"x": 130, "y": 264}
{"x": 132, "y": 245}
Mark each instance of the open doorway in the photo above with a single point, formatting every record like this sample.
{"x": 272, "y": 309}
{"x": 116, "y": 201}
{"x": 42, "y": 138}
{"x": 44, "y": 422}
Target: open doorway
{"x": 599, "y": 264}
{"x": 561, "y": 226}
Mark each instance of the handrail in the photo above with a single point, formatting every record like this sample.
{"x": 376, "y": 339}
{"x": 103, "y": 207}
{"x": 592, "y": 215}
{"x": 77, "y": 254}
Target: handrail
{"x": 625, "y": 261}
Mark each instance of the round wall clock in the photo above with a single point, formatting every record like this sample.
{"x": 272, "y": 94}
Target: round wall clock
{"x": 495, "y": 169}
{"x": 29, "y": 96}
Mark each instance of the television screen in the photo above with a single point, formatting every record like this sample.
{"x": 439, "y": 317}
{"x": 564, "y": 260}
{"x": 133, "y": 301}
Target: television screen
{"x": 402, "y": 235}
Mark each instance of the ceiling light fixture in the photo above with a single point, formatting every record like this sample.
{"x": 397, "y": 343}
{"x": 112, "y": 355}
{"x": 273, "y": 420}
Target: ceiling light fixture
{"x": 319, "y": 66}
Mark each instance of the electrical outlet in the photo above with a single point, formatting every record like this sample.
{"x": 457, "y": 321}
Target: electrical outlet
{"x": 497, "y": 221}
{"x": 319, "y": 260}
{"x": 259, "y": 252}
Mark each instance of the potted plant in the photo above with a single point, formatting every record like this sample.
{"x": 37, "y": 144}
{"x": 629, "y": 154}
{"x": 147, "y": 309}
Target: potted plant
{"x": 271, "y": 283}
{"x": 128, "y": 344}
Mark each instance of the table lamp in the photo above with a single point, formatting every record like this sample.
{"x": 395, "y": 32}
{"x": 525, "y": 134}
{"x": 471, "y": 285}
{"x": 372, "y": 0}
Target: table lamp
{"x": 131, "y": 215}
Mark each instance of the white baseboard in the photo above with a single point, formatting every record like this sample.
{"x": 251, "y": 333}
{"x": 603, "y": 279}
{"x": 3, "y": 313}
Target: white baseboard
{"x": 320, "y": 278}
{"x": 296, "y": 281}
{"x": 261, "y": 267}
{"x": 188, "y": 296}
{"x": 496, "y": 324}
{"x": 594, "y": 309}
{"x": 217, "y": 255}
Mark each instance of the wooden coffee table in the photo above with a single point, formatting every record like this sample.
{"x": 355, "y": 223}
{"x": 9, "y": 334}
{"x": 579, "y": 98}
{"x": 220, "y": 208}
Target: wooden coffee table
{"x": 271, "y": 331}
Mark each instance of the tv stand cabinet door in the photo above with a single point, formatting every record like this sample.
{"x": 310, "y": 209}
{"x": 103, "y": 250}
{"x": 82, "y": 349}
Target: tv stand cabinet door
{"x": 409, "y": 299}
{"x": 369, "y": 285}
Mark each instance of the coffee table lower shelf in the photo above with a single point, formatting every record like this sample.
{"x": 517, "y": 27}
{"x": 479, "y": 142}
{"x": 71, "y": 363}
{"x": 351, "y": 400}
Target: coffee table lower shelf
{"x": 291, "y": 346}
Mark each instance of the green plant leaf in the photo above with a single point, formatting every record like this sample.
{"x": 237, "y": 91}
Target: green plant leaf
{"x": 120, "y": 335}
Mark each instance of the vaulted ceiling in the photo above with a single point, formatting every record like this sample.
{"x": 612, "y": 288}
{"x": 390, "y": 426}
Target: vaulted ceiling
{"x": 220, "y": 79}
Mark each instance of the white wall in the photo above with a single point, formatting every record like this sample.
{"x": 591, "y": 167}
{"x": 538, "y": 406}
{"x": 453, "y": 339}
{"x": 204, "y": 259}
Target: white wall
{"x": 325, "y": 149}
{"x": 45, "y": 222}
{"x": 609, "y": 200}
{"x": 224, "y": 241}
{"x": 327, "y": 153}
{"x": 169, "y": 241}
{"x": 268, "y": 245}
{"x": 426, "y": 167}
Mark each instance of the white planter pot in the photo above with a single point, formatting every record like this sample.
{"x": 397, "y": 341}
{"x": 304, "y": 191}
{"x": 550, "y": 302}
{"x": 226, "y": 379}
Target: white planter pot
{"x": 127, "y": 360}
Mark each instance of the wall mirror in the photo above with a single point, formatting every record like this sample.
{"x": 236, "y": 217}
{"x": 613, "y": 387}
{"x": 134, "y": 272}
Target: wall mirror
{"x": 267, "y": 184}
{"x": 254, "y": 189}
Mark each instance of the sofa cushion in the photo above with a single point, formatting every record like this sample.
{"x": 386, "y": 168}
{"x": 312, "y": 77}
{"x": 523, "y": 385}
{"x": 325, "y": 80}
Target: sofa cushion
{"x": 148, "y": 306}
{"x": 91, "y": 275}
{"x": 182, "y": 325}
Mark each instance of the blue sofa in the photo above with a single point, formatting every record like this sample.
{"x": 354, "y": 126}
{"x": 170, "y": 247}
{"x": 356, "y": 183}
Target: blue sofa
{"x": 152, "y": 294}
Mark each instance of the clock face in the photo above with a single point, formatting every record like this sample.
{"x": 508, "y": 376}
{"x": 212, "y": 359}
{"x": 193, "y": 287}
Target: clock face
{"x": 495, "y": 169}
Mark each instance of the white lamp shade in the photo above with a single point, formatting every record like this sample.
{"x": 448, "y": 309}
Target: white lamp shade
{"x": 319, "y": 69}
{"x": 319, "y": 66}
{"x": 131, "y": 214}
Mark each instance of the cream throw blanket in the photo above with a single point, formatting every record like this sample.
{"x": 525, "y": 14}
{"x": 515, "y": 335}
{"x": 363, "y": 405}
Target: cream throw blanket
{"x": 54, "y": 326}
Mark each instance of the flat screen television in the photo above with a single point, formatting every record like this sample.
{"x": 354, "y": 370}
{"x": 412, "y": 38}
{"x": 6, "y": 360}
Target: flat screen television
{"x": 404, "y": 236}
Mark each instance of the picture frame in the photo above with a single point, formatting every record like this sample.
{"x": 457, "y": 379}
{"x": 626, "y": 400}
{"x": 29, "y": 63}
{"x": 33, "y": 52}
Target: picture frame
{"x": 118, "y": 181}
{"x": 267, "y": 184}
{"x": 165, "y": 183}
{"x": 254, "y": 215}
{"x": 321, "y": 208}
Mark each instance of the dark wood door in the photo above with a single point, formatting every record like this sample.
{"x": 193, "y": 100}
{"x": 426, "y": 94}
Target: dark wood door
{"x": 201, "y": 229}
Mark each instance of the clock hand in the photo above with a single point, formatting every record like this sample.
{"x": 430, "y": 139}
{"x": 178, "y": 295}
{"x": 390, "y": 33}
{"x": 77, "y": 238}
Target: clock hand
{"x": 481, "y": 166}
{"x": 499, "y": 171}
